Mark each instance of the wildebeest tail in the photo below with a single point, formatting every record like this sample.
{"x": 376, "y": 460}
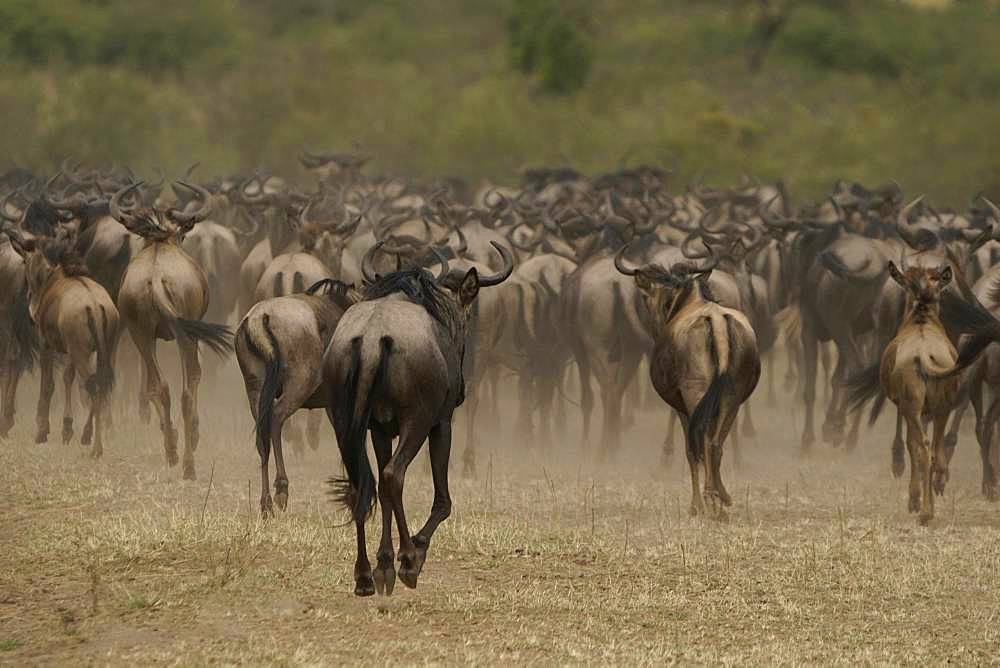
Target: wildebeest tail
{"x": 706, "y": 414}
{"x": 358, "y": 491}
{"x": 218, "y": 338}
{"x": 24, "y": 334}
{"x": 865, "y": 385}
{"x": 102, "y": 382}
{"x": 271, "y": 385}
{"x": 963, "y": 316}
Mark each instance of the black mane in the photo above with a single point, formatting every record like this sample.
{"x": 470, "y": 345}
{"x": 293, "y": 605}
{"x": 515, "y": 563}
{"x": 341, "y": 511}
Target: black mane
{"x": 419, "y": 287}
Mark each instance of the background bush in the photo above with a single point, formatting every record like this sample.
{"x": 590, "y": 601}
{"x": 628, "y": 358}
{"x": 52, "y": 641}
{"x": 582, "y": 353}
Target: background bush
{"x": 429, "y": 88}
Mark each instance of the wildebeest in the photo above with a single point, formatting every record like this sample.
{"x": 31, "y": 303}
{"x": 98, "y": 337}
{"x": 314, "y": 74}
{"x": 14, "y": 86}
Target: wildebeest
{"x": 705, "y": 365}
{"x": 164, "y": 294}
{"x": 18, "y": 336}
{"x": 279, "y": 347}
{"x": 76, "y": 318}
{"x": 394, "y": 367}
{"x": 914, "y": 374}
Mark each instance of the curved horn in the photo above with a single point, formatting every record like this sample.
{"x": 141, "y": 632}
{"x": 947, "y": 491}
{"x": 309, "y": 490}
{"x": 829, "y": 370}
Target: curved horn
{"x": 503, "y": 274}
{"x": 915, "y": 239}
{"x": 993, "y": 207}
{"x": 367, "y": 267}
{"x": 691, "y": 254}
{"x": 620, "y": 262}
{"x": 3, "y": 209}
{"x": 118, "y": 212}
{"x": 443, "y": 261}
{"x": 200, "y": 214}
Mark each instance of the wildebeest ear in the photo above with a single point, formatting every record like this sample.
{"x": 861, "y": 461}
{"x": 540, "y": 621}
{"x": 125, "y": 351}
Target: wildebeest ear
{"x": 896, "y": 274}
{"x": 469, "y": 288}
{"x": 945, "y": 275}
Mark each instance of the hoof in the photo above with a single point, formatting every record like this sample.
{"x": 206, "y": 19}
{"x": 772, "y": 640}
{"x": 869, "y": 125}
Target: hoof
{"x": 364, "y": 586}
{"x": 724, "y": 497}
{"x": 410, "y": 567}
{"x": 88, "y": 434}
{"x": 385, "y": 578}
{"x": 281, "y": 499}
{"x": 914, "y": 505}
{"x": 925, "y": 518}
{"x": 42, "y": 437}
{"x": 990, "y": 492}
{"x": 189, "y": 473}
{"x": 96, "y": 453}
{"x": 6, "y": 423}
{"x": 266, "y": 508}
{"x": 67, "y": 430}
{"x": 172, "y": 458}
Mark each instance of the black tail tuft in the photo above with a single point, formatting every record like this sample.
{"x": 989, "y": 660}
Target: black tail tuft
{"x": 358, "y": 491}
{"x": 24, "y": 333}
{"x": 969, "y": 316}
{"x": 270, "y": 388}
{"x": 218, "y": 338}
{"x": 101, "y": 384}
{"x": 706, "y": 414}
{"x": 863, "y": 386}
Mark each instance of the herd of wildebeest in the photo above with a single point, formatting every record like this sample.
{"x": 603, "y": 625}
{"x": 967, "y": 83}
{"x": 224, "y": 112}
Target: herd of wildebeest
{"x": 364, "y": 296}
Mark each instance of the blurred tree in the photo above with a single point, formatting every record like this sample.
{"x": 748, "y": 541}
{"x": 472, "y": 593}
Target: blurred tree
{"x": 546, "y": 40}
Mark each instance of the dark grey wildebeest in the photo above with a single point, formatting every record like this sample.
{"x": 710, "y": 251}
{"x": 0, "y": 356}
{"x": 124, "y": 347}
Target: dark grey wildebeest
{"x": 394, "y": 366}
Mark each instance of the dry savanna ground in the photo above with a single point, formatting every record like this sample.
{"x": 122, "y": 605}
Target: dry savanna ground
{"x": 549, "y": 556}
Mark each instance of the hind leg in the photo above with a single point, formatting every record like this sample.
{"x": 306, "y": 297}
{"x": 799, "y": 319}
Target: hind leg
{"x": 191, "y": 369}
{"x": 941, "y": 455}
{"x": 69, "y": 378}
{"x": 439, "y": 444}
{"x": 47, "y": 388}
{"x": 10, "y": 375}
{"x": 280, "y": 475}
{"x": 668, "y": 442}
{"x": 157, "y": 389}
{"x": 749, "y": 430}
{"x": 411, "y": 438}
{"x": 313, "y": 420}
{"x": 385, "y": 566}
{"x": 898, "y": 463}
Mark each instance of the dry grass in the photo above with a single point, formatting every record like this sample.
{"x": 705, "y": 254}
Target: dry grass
{"x": 548, "y": 558}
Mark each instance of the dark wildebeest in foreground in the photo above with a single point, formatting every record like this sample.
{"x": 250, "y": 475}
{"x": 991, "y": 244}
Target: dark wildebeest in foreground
{"x": 164, "y": 295}
{"x": 705, "y": 364}
{"x": 76, "y": 318}
{"x": 279, "y": 347}
{"x": 394, "y": 366}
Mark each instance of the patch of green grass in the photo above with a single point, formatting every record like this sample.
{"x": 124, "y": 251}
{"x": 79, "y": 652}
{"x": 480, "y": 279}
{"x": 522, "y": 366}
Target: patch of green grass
{"x": 9, "y": 645}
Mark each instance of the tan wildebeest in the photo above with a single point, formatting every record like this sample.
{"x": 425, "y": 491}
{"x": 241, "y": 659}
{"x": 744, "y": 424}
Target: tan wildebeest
{"x": 279, "y": 347}
{"x": 705, "y": 365}
{"x": 915, "y": 373}
{"x": 164, "y": 295}
{"x": 75, "y": 317}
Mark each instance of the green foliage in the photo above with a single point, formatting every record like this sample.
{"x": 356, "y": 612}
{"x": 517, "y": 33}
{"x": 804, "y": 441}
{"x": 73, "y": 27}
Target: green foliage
{"x": 545, "y": 40}
{"x": 831, "y": 41}
{"x": 877, "y": 92}
{"x": 142, "y": 34}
